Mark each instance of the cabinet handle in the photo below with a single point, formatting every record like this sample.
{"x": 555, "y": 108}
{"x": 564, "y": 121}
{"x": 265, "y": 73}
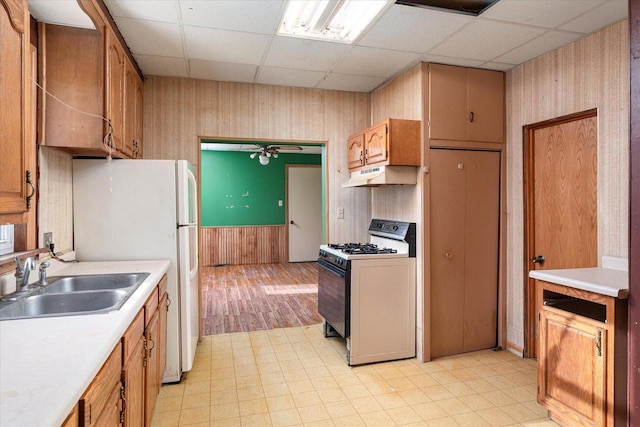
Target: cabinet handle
{"x": 33, "y": 189}
{"x": 168, "y": 303}
{"x": 153, "y": 344}
{"x": 599, "y": 343}
{"x": 538, "y": 260}
{"x": 471, "y": 116}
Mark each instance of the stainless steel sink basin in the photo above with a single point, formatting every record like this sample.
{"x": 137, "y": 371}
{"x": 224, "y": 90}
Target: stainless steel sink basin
{"x": 75, "y": 295}
{"x": 94, "y": 282}
{"x": 47, "y": 305}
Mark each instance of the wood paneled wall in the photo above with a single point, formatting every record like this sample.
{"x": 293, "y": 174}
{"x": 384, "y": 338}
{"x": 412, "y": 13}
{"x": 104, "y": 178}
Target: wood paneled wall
{"x": 402, "y": 98}
{"x": 243, "y": 245}
{"x": 177, "y": 111}
{"x": 590, "y": 73}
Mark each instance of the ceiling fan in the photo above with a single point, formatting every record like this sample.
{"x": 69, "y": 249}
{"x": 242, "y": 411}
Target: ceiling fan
{"x": 265, "y": 152}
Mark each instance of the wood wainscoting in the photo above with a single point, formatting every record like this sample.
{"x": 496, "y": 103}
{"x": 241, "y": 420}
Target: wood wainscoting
{"x": 264, "y": 244}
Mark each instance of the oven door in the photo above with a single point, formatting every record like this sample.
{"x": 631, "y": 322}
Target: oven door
{"x": 334, "y": 296}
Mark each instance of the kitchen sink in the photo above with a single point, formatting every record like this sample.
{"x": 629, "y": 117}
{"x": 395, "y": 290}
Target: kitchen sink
{"x": 75, "y": 295}
{"x": 94, "y": 282}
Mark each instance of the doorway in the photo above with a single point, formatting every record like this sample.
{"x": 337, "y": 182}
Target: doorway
{"x": 560, "y": 202}
{"x": 304, "y": 212}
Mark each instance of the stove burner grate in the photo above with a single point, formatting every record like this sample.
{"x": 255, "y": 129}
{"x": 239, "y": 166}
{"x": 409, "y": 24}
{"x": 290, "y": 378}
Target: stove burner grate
{"x": 362, "y": 248}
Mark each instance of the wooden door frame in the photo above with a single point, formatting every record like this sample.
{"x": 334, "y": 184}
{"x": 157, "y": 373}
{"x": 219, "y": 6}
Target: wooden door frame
{"x": 529, "y": 312}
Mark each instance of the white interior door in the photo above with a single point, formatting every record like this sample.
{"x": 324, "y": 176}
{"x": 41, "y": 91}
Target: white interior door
{"x": 304, "y": 214}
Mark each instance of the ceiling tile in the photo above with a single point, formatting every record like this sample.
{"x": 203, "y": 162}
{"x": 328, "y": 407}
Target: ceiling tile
{"x": 304, "y": 54}
{"x": 150, "y": 10}
{"x": 536, "y": 47}
{"x": 224, "y": 46}
{"x": 612, "y": 11}
{"x": 228, "y": 72}
{"x": 367, "y": 61}
{"x": 151, "y": 37}
{"x": 253, "y": 16}
{"x": 485, "y": 40}
{"x": 497, "y": 66}
{"x": 413, "y": 29}
{"x": 541, "y": 13}
{"x": 289, "y": 77}
{"x": 60, "y": 12}
{"x": 461, "y": 62}
{"x": 351, "y": 83}
{"x": 161, "y": 65}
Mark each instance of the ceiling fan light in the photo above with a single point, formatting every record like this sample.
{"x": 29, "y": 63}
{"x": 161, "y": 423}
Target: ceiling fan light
{"x": 264, "y": 160}
{"x": 275, "y": 155}
{"x": 253, "y": 155}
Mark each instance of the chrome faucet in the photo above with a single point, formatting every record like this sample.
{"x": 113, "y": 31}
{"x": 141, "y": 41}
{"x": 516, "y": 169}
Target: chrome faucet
{"x": 22, "y": 272}
{"x": 43, "y": 273}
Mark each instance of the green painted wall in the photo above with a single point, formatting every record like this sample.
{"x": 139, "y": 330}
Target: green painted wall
{"x": 238, "y": 190}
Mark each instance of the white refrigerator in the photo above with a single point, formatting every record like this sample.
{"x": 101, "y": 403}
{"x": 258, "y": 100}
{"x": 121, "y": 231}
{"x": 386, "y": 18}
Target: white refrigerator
{"x": 144, "y": 210}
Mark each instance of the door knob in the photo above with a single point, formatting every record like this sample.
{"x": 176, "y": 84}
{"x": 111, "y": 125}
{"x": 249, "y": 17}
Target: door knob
{"x": 538, "y": 260}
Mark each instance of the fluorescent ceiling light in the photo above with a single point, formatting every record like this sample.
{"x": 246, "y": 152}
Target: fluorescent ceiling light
{"x": 331, "y": 20}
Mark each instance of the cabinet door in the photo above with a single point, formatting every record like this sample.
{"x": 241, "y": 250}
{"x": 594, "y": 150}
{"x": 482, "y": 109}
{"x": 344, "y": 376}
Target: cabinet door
{"x": 13, "y": 112}
{"x": 447, "y": 102}
{"x": 163, "y": 308}
{"x": 376, "y": 144}
{"x": 572, "y": 360}
{"x": 138, "y": 128}
{"x": 112, "y": 412}
{"x": 115, "y": 90}
{"x": 355, "y": 151}
{"x": 133, "y": 374}
{"x": 152, "y": 385}
{"x": 130, "y": 88}
{"x": 464, "y": 235}
{"x": 486, "y": 105}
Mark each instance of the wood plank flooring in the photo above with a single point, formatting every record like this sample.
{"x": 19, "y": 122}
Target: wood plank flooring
{"x": 243, "y": 298}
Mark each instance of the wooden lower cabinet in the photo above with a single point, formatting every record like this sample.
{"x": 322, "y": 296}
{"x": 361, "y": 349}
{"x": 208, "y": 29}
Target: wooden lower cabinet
{"x": 152, "y": 383}
{"x": 125, "y": 390}
{"x": 580, "y": 379}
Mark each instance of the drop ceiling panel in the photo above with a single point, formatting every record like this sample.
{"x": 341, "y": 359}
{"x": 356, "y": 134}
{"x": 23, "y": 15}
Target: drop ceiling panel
{"x": 351, "y": 83}
{"x": 304, "y": 54}
{"x": 253, "y": 16}
{"x": 606, "y": 14}
{"x": 224, "y": 46}
{"x": 413, "y": 29}
{"x": 375, "y": 62}
{"x": 485, "y": 40}
{"x": 149, "y": 10}
{"x": 223, "y": 71}
{"x": 151, "y": 37}
{"x": 541, "y": 13}
{"x": 289, "y": 77}
{"x": 538, "y": 46}
{"x": 162, "y": 65}
{"x": 60, "y": 12}
{"x": 461, "y": 62}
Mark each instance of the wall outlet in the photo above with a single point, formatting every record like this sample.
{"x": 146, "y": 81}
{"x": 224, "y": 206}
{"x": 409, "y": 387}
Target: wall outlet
{"x": 47, "y": 239}
{"x": 279, "y": 202}
{"x": 340, "y": 213}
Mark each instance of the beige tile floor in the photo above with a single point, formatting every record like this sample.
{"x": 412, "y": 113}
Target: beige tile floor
{"x": 296, "y": 377}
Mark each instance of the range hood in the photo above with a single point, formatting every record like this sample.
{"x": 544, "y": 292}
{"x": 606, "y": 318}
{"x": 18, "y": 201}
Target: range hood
{"x": 382, "y": 175}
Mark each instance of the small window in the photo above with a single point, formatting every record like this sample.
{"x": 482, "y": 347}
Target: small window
{"x": 6, "y": 239}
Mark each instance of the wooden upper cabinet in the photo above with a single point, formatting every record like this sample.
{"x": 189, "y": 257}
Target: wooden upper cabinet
{"x": 376, "y": 144}
{"x": 355, "y": 150}
{"x": 391, "y": 142}
{"x": 466, "y": 104}
{"x": 14, "y": 108}
{"x": 115, "y": 92}
{"x": 91, "y": 71}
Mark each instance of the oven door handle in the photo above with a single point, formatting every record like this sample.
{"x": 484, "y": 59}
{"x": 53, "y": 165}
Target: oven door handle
{"x": 331, "y": 268}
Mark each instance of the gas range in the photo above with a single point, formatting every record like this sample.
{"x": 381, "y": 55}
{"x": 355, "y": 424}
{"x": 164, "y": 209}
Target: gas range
{"x": 389, "y": 239}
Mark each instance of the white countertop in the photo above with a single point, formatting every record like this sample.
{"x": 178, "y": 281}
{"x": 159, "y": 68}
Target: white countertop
{"x": 46, "y": 364}
{"x": 605, "y": 281}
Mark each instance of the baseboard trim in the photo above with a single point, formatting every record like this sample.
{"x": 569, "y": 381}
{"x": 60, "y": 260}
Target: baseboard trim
{"x": 515, "y": 349}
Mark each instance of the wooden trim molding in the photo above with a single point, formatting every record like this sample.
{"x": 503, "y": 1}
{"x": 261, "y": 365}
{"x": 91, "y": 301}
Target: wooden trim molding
{"x": 243, "y": 245}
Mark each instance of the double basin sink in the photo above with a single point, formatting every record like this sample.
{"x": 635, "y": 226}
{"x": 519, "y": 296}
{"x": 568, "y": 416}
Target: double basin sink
{"x": 75, "y": 295}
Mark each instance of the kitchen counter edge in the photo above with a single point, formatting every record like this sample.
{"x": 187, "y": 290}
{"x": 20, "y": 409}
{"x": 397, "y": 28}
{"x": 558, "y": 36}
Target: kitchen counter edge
{"x": 46, "y": 364}
{"x": 604, "y": 281}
